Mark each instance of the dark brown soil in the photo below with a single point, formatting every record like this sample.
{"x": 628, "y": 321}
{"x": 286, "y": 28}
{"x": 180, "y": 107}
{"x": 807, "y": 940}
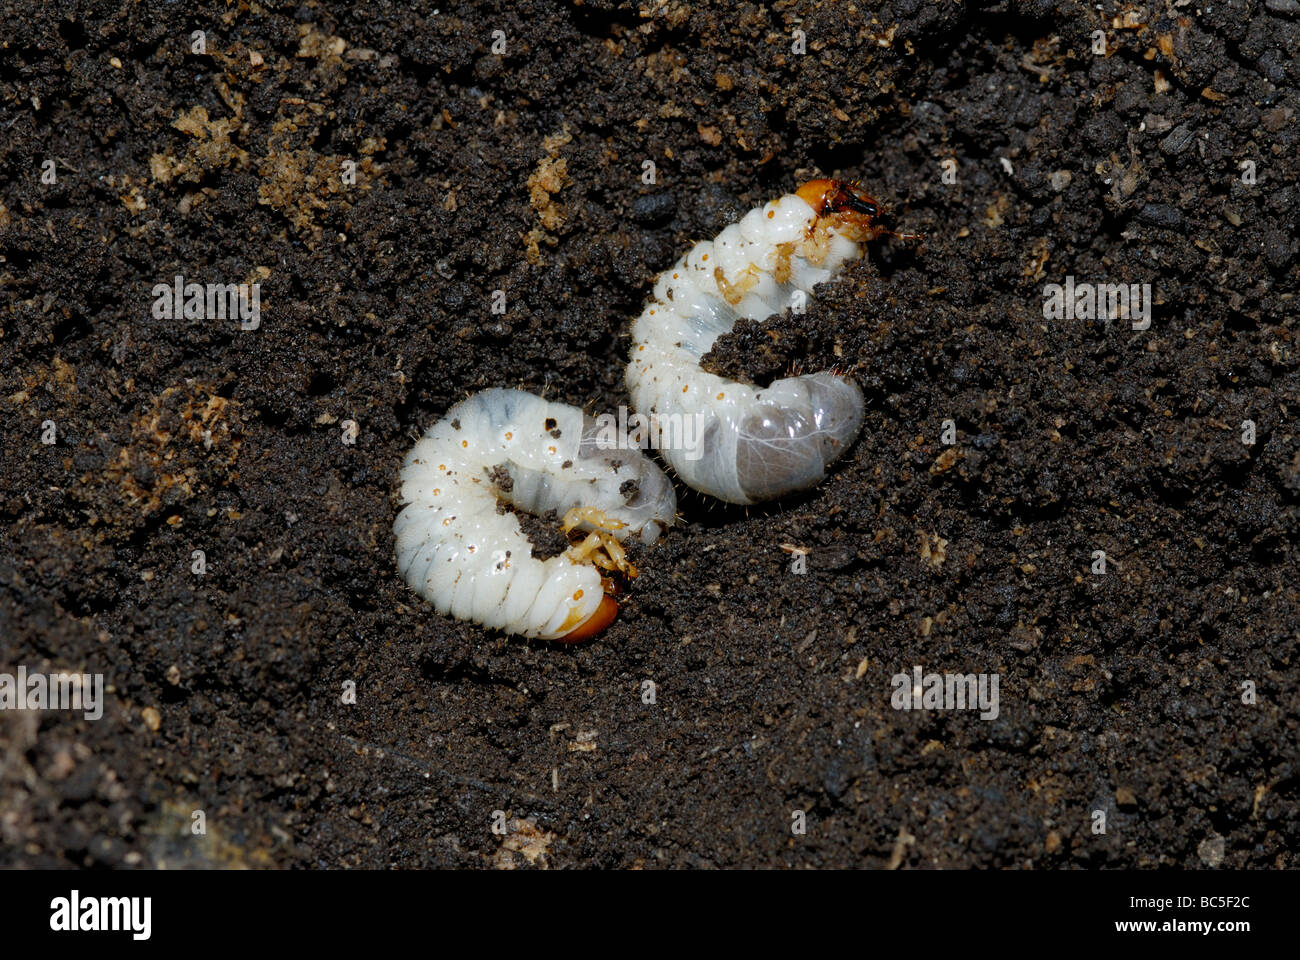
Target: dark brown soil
{"x": 521, "y": 172}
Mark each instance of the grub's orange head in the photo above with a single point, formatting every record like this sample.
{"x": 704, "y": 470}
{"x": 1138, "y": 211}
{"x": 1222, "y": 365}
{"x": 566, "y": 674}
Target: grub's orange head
{"x": 849, "y": 204}
{"x": 598, "y": 621}
{"x": 841, "y": 197}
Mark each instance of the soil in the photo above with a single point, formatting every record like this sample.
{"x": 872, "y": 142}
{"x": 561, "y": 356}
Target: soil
{"x": 380, "y": 172}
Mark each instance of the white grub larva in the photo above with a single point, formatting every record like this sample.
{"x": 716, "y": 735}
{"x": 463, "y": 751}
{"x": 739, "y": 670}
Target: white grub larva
{"x": 471, "y": 560}
{"x": 758, "y": 443}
